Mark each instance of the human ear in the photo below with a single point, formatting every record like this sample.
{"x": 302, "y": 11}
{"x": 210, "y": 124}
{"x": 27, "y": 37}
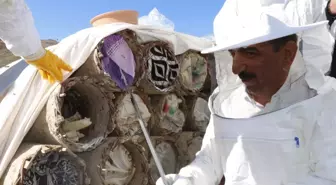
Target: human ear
{"x": 290, "y": 50}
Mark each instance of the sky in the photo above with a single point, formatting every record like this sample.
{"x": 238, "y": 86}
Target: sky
{"x": 61, "y": 18}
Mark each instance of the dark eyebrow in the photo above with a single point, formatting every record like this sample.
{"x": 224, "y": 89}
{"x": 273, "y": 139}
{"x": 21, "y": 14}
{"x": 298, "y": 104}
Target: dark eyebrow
{"x": 248, "y": 49}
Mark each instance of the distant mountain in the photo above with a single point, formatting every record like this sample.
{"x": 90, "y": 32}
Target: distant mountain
{"x": 7, "y": 57}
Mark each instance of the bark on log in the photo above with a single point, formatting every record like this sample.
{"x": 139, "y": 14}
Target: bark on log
{"x": 119, "y": 161}
{"x": 79, "y": 114}
{"x": 45, "y": 165}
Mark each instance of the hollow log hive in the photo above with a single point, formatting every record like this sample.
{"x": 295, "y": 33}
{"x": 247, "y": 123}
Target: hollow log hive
{"x": 91, "y": 114}
{"x": 35, "y": 164}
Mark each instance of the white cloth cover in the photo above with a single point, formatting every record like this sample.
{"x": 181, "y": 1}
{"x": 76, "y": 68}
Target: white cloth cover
{"x": 29, "y": 93}
{"x": 155, "y": 18}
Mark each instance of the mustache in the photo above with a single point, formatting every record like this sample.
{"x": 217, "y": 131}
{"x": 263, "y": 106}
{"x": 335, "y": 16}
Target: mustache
{"x": 246, "y": 75}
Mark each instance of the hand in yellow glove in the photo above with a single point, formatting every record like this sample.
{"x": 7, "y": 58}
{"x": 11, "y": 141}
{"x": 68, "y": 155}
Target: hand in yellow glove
{"x": 50, "y": 67}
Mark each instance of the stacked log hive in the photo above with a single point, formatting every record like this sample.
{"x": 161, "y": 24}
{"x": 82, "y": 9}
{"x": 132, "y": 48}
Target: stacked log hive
{"x": 91, "y": 113}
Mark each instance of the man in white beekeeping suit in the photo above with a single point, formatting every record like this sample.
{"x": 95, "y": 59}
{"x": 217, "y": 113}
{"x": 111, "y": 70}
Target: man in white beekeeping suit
{"x": 18, "y": 32}
{"x": 276, "y": 128}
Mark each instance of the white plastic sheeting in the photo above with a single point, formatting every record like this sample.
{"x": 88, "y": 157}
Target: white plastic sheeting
{"x": 209, "y": 37}
{"x": 28, "y": 93}
{"x": 9, "y": 73}
{"x": 155, "y": 18}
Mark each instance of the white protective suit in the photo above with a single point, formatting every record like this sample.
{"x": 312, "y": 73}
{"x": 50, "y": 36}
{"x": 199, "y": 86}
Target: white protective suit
{"x": 315, "y": 41}
{"x": 18, "y": 31}
{"x": 290, "y": 141}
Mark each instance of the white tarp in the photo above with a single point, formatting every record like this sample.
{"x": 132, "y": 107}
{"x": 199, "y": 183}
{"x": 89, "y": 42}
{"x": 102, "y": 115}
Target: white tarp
{"x": 155, "y": 18}
{"x": 8, "y": 75}
{"x": 29, "y": 93}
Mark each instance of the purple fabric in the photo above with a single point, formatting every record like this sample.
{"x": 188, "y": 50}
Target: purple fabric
{"x": 118, "y": 60}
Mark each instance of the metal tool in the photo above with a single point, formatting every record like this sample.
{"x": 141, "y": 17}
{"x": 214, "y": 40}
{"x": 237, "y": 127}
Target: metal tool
{"x": 144, "y": 130}
{"x": 149, "y": 142}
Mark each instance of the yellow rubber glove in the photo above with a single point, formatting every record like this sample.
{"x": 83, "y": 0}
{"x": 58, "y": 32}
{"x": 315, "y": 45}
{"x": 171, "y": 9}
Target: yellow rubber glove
{"x": 50, "y": 67}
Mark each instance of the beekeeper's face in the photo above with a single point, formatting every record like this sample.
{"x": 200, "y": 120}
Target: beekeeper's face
{"x": 264, "y": 67}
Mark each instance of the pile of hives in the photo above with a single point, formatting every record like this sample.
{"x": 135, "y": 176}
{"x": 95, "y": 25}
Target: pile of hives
{"x": 91, "y": 115}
